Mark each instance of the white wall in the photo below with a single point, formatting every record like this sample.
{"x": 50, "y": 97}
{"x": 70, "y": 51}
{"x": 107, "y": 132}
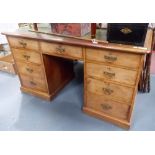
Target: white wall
{"x": 4, "y": 27}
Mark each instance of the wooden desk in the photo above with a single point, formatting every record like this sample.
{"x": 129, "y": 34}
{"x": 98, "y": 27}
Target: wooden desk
{"x": 111, "y": 71}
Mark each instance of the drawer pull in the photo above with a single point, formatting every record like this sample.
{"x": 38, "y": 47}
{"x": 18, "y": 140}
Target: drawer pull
{"x": 109, "y": 74}
{"x": 107, "y": 91}
{"x": 110, "y": 58}
{"x": 29, "y": 70}
{"x": 27, "y": 57}
{"x": 23, "y": 44}
{"x": 106, "y": 106}
{"x": 33, "y": 83}
{"x": 60, "y": 49}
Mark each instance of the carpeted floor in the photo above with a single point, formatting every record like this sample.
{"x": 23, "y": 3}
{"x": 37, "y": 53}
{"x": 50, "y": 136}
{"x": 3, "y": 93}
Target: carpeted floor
{"x": 19, "y": 111}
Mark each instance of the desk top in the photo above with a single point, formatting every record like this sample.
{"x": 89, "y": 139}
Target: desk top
{"x": 84, "y": 42}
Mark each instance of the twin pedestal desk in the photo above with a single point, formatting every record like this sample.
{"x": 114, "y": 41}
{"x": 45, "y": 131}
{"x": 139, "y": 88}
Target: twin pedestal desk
{"x": 111, "y": 71}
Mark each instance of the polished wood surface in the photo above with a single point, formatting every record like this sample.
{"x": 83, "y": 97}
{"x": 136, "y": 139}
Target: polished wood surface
{"x": 26, "y": 55}
{"x": 54, "y": 38}
{"x": 62, "y": 50}
{"x": 58, "y": 73}
{"x": 23, "y": 43}
{"x": 106, "y": 105}
{"x": 30, "y": 69}
{"x": 111, "y": 71}
{"x": 113, "y": 57}
{"x": 33, "y": 83}
{"x": 106, "y": 72}
{"x": 110, "y": 90}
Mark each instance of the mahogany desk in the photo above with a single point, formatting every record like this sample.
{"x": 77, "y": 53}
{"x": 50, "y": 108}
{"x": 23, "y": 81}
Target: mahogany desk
{"x": 111, "y": 71}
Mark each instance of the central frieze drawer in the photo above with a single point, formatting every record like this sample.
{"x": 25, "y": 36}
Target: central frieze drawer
{"x": 26, "y": 55}
{"x": 107, "y": 106}
{"x": 23, "y": 43}
{"x": 110, "y": 90}
{"x": 114, "y": 58}
{"x": 111, "y": 73}
{"x": 62, "y": 50}
{"x": 30, "y": 69}
{"x": 33, "y": 83}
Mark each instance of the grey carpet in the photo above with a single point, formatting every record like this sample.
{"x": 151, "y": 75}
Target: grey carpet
{"x": 19, "y": 111}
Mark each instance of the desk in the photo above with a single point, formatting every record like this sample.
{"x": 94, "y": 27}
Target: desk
{"x": 111, "y": 71}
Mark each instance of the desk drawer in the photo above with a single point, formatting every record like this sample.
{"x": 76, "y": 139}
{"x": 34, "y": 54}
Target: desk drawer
{"x": 109, "y": 90}
{"x": 23, "y": 43}
{"x": 116, "y": 58}
{"x": 62, "y": 50}
{"x": 33, "y": 83}
{"x": 112, "y": 108}
{"x": 26, "y": 55}
{"x": 30, "y": 69}
{"x": 7, "y": 67}
{"x": 111, "y": 73}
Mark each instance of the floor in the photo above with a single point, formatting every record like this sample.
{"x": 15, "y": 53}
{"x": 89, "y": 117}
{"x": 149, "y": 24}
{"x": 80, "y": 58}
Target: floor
{"x": 22, "y": 112}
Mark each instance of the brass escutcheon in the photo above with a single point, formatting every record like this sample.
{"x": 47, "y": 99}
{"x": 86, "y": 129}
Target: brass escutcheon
{"x": 106, "y": 106}
{"x": 110, "y": 58}
{"x": 22, "y": 43}
{"x": 109, "y": 74}
{"x": 29, "y": 70}
{"x": 60, "y": 49}
{"x": 126, "y": 30}
{"x": 107, "y": 91}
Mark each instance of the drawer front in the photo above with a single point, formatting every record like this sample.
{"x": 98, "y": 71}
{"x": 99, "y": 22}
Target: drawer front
{"x": 23, "y": 43}
{"x": 26, "y": 55}
{"x": 111, "y": 73}
{"x": 7, "y": 67}
{"x": 33, "y": 83}
{"x": 112, "y": 108}
{"x": 62, "y": 50}
{"x": 110, "y": 90}
{"x": 115, "y": 58}
{"x": 30, "y": 69}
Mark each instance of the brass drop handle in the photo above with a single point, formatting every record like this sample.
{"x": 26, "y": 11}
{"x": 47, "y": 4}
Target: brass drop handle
{"x": 109, "y": 74}
{"x": 29, "y": 70}
{"x": 107, "y": 91}
{"x": 60, "y": 49}
{"x": 33, "y": 83}
{"x": 27, "y": 57}
{"x": 110, "y": 58}
{"x": 22, "y": 43}
{"x": 106, "y": 106}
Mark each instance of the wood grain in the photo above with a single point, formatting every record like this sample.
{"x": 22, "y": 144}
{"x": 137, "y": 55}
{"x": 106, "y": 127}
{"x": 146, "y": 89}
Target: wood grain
{"x": 110, "y": 91}
{"x": 62, "y": 50}
{"x": 105, "y": 105}
{"x": 113, "y": 57}
{"x": 107, "y": 72}
{"x": 23, "y": 43}
{"x": 26, "y": 56}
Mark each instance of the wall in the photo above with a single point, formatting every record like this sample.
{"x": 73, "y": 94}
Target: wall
{"x": 6, "y": 27}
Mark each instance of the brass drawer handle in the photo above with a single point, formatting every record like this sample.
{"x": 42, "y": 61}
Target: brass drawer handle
{"x": 22, "y": 43}
{"x": 109, "y": 74}
{"x": 29, "y": 70}
{"x": 107, "y": 91}
{"x": 110, "y": 58}
{"x": 33, "y": 83}
{"x": 106, "y": 107}
{"x": 27, "y": 57}
{"x": 60, "y": 49}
